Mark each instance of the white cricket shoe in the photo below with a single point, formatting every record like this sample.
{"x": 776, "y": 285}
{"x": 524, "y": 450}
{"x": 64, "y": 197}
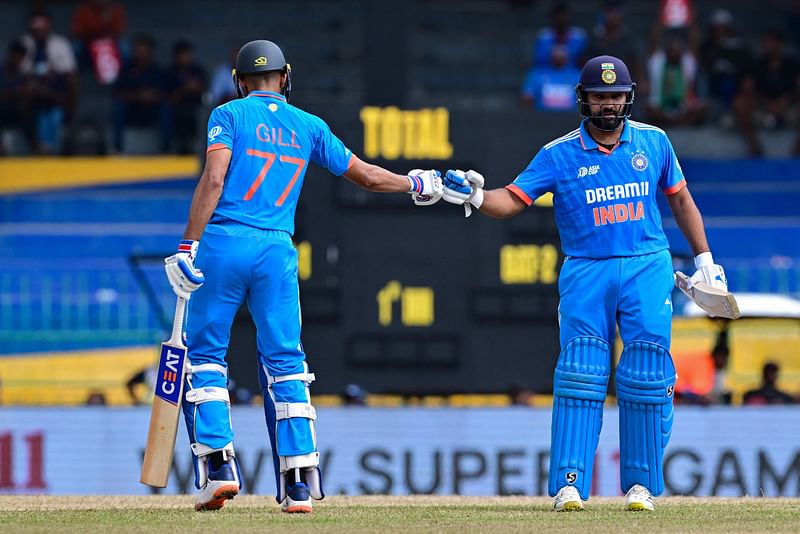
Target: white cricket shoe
{"x": 639, "y": 498}
{"x": 220, "y": 487}
{"x": 567, "y": 500}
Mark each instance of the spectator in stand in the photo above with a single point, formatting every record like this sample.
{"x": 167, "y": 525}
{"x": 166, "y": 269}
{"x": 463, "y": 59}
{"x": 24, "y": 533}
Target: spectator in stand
{"x": 767, "y": 94}
{"x": 138, "y": 96}
{"x": 15, "y": 96}
{"x": 144, "y": 380}
{"x": 720, "y": 354}
{"x": 354, "y": 395}
{"x": 724, "y": 58}
{"x": 222, "y": 89}
{"x": 97, "y": 26}
{"x": 186, "y": 83}
{"x": 672, "y": 74}
{"x": 611, "y": 38}
{"x": 96, "y": 398}
{"x": 552, "y": 88}
{"x": 768, "y": 393}
{"x": 559, "y": 33}
{"x": 54, "y": 88}
{"x": 520, "y": 395}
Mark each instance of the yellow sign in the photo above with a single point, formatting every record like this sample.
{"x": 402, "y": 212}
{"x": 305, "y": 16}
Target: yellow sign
{"x": 528, "y": 264}
{"x": 392, "y": 133}
{"x": 416, "y": 304}
{"x": 260, "y": 61}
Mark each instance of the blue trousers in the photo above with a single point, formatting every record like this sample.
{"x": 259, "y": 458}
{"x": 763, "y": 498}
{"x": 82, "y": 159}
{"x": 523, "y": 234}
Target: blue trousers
{"x": 260, "y": 266}
{"x": 634, "y": 292}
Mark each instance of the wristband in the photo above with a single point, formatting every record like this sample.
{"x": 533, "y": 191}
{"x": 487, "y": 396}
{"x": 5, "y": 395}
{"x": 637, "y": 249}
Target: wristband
{"x": 703, "y": 259}
{"x": 477, "y": 198}
{"x": 415, "y": 184}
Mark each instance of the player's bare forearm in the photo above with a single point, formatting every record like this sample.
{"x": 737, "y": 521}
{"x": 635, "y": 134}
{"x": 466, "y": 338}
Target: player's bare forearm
{"x": 689, "y": 220}
{"x": 501, "y": 203}
{"x": 207, "y": 193}
{"x": 374, "y": 178}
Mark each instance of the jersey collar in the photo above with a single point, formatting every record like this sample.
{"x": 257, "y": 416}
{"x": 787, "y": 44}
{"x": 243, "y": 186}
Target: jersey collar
{"x": 589, "y": 144}
{"x": 267, "y": 94}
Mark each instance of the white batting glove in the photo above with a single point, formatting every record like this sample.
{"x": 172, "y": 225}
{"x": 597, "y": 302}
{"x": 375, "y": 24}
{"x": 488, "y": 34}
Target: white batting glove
{"x": 183, "y": 276}
{"x": 425, "y": 187}
{"x": 464, "y": 188}
{"x": 709, "y": 272}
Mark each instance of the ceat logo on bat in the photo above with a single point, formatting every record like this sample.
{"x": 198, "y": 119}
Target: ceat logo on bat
{"x": 170, "y": 373}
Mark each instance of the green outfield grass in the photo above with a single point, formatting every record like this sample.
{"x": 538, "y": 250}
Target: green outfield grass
{"x": 393, "y": 514}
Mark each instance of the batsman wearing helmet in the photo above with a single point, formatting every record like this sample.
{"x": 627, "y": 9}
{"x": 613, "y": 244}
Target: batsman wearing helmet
{"x": 238, "y": 246}
{"x": 617, "y": 272}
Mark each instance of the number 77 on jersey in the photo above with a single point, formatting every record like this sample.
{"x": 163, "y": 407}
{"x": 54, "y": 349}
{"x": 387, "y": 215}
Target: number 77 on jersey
{"x": 166, "y": 405}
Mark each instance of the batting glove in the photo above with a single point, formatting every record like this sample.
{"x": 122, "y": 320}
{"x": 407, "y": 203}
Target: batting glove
{"x": 425, "y": 187}
{"x": 464, "y": 188}
{"x": 181, "y": 272}
{"x": 709, "y": 272}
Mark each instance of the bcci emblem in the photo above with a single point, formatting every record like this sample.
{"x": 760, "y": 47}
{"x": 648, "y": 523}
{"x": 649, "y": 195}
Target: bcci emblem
{"x": 571, "y": 477}
{"x": 608, "y": 75}
{"x": 639, "y": 161}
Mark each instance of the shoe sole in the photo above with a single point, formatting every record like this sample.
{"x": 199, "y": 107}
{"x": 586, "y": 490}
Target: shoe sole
{"x": 638, "y": 507}
{"x": 222, "y": 494}
{"x": 570, "y": 507}
{"x": 298, "y": 509}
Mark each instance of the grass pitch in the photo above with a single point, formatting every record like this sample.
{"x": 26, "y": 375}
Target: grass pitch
{"x": 393, "y": 514}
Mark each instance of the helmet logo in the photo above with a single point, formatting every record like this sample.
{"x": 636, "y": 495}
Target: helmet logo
{"x": 260, "y": 61}
{"x": 608, "y": 75}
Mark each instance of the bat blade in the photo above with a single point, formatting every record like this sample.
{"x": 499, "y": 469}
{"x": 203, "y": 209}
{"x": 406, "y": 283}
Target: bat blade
{"x": 713, "y": 301}
{"x": 164, "y": 415}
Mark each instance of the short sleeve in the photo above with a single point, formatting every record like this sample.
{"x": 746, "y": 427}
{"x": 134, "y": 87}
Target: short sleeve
{"x": 537, "y": 179}
{"x": 220, "y": 129}
{"x": 672, "y": 179}
{"x": 329, "y": 151}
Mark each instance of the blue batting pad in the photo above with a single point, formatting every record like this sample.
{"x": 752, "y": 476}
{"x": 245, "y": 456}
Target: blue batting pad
{"x": 208, "y": 423}
{"x": 579, "y": 390}
{"x": 645, "y": 386}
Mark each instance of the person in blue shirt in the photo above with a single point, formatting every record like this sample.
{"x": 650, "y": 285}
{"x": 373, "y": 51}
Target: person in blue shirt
{"x": 259, "y": 148}
{"x": 617, "y": 272}
{"x": 551, "y": 87}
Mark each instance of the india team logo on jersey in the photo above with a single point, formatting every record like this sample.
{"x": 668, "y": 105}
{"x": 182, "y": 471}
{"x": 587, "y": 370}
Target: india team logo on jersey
{"x": 639, "y": 161}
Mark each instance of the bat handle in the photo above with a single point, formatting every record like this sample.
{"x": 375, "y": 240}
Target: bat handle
{"x": 177, "y": 322}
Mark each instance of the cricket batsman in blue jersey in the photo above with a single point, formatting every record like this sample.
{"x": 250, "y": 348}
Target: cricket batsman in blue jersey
{"x": 617, "y": 272}
{"x": 238, "y": 246}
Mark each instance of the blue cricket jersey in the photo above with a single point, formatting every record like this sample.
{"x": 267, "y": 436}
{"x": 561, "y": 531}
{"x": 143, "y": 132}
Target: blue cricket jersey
{"x": 605, "y": 200}
{"x": 272, "y": 143}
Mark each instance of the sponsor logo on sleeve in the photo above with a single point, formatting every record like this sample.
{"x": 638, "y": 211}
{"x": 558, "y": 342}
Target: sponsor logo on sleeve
{"x": 214, "y": 132}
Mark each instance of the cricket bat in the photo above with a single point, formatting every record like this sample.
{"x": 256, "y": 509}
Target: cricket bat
{"x": 166, "y": 405}
{"x": 713, "y": 301}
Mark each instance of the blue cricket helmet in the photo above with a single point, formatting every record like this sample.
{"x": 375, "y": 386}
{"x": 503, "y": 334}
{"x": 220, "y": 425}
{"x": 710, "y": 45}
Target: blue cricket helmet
{"x": 605, "y": 74}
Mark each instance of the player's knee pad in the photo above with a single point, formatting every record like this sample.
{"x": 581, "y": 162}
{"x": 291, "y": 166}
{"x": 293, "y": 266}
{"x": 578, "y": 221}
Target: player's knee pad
{"x": 290, "y": 421}
{"x": 645, "y": 380}
{"x": 579, "y": 391}
{"x": 206, "y": 406}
